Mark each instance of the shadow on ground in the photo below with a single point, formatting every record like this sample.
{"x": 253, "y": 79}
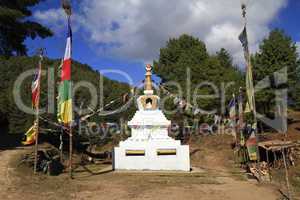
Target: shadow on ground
{"x": 10, "y": 141}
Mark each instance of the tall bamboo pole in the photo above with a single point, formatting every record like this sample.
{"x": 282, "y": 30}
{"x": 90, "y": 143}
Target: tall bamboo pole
{"x": 61, "y": 145}
{"x": 70, "y": 130}
{"x": 284, "y": 129}
{"x": 286, "y": 175}
{"x": 234, "y": 119}
{"x": 249, "y": 66}
{"x": 66, "y": 5}
{"x": 71, "y": 151}
{"x": 37, "y": 114}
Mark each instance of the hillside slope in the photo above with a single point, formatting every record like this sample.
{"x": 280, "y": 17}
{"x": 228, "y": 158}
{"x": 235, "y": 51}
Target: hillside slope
{"x": 13, "y": 120}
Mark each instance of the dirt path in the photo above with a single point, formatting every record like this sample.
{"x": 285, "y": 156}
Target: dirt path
{"x": 116, "y": 185}
{"x": 6, "y": 181}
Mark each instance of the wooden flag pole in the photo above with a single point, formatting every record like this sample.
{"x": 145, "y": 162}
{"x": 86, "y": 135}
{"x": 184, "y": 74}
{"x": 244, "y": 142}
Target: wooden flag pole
{"x": 250, "y": 87}
{"x": 71, "y": 130}
{"x": 286, "y": 174}
{"x": 249, "y": 66}
{"x": 36, "y": 139}
{"x": 61, "y": 145}
{"x": 66, "y": 5}
{"x": 71, "y": 152}
{"x": 284, "y": 129}
{"x": 37, "y": 115}
{"x": 234, "y": 120}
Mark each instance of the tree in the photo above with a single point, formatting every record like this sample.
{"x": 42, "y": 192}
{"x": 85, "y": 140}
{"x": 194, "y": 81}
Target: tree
{"x": 14, "y": 28}
{"x": 15, "y": 120}
{"x": 224, "y": 58}
{"x": 187, "y": 52}
{"x": 276, "y": 52}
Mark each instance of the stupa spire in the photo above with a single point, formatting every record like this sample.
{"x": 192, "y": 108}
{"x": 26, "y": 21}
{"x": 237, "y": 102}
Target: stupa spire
{"x": 148, "y": 80}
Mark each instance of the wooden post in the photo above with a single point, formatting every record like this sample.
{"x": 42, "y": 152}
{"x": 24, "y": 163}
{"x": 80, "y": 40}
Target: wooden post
{"x": 37, "y": 114}
{"x": 36, "y": 142}
{"x": 275, "y": 159}
{"x": 234, "y": 124}
{"x": 268, "y": 160}
{"x": 68, "y": 10}
{"x": 286, "y": 175}
{"x": 70, "y": 151}
{"x": 248, "y": 62}
{"x": 61, "y": 145}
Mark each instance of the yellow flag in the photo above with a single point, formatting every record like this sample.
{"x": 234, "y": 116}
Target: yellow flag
{"x": 249, "y": 87}
{"x": 30, "y": 136}
{"x": 247, "y": 109}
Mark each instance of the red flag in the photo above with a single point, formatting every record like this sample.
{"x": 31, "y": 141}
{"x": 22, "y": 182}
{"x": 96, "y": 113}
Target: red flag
{"x": 35, "y": 86}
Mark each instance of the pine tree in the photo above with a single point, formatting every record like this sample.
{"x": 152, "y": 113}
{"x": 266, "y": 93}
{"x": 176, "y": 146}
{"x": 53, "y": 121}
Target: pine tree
{"x": 187, "y": 52}
{"x": 15, "y": 28}
{"x": 276, "y": 52}
{"x": 224, "y": 58}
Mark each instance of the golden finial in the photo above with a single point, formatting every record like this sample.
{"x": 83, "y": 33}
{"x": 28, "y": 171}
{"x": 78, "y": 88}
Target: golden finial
{"x": 148, "y": 81}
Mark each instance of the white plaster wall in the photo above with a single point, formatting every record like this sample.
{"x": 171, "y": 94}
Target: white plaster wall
{"x": 152, "y": 161}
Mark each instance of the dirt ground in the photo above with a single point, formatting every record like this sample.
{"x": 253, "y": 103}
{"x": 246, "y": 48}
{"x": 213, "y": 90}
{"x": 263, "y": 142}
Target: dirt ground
{"x": 211, "y": 183}
{"x": 214, "y": 177}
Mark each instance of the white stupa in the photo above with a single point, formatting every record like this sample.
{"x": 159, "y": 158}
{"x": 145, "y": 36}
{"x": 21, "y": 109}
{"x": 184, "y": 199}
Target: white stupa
{"x": 150, "y": 147}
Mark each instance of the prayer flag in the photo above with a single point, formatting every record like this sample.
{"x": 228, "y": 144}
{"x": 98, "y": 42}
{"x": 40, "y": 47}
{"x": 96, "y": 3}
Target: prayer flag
{"x": 65, "y": 111}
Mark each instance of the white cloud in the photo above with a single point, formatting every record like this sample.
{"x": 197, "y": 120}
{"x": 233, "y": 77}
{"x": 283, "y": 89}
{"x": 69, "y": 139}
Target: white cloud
{"x": 54, "y": 18}
{"x": 136, "y": 29}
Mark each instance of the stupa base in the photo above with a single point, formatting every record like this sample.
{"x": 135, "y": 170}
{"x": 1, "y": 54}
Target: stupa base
{"x": 151, "y": 155}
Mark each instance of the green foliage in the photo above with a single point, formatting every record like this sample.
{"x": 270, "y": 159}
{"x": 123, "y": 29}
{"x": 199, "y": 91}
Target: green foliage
{"x": 187, "y": 52}
{"x": 16, "y": 121}
{"x": 276, "y": 52}
{"x": 224, "y": 58}
{"x": 14, "y": 28}
{"x": 181, "y": 52}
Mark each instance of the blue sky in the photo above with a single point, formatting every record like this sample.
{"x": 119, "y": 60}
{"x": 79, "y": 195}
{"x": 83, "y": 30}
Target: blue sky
{"x": 100, "y": 25}
{"x": 288, "y": 20}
